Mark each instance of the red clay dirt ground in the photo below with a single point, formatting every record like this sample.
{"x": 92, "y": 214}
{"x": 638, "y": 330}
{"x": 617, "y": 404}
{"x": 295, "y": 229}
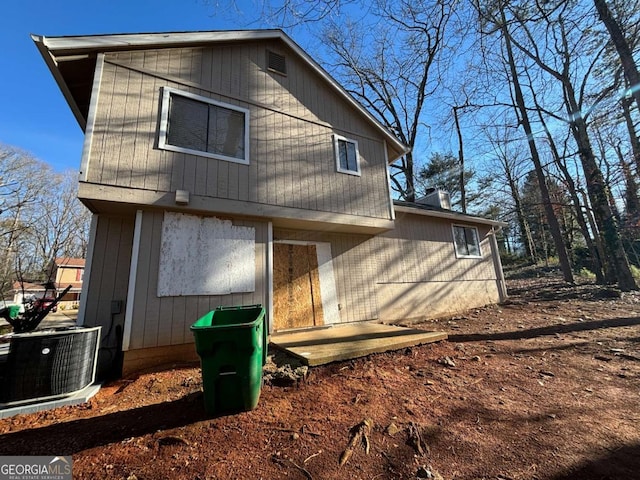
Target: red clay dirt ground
{"x": 546, "y": 386}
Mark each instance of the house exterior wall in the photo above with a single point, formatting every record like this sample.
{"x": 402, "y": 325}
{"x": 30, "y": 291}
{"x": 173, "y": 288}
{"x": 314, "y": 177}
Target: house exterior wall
{"x": 108, "y": 281}
{"x": 419, "y": 275}
{"x": 354, "y": 270}
{"x": 409, "y": 273}
{"x": 292, "y": 119}
{"x": 163, "y": 321}
{"x": 68, "y": 275}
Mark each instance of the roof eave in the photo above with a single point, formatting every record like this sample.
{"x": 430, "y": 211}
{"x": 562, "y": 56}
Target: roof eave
{"x": 449, "y": 215}
{"x": 40, "y": 42}
{"x": 49, "y": 46}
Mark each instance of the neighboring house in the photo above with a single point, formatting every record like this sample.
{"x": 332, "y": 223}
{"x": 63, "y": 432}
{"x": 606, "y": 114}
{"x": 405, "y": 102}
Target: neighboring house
{"x": 69, "y": 271}
{"x": 227, "y": 168}
{"x": 65, "y": 271}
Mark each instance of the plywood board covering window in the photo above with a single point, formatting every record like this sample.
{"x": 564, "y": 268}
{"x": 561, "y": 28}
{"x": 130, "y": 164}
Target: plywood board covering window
{"x": 205, "y": 256}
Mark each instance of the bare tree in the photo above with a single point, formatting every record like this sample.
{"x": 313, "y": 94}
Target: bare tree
{"x": 510, "y": 160}
{"x": 41, "y": 218}
{"x": 563, "y": 53}
{"x": 501, "y": 25}
{"x": 388, "y": 66}
{"x": 622, "y": 47}
{"x": 22, "y": 184}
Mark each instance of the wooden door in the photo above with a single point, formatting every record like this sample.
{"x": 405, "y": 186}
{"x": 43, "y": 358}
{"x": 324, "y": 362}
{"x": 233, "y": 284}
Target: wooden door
{"x": 297, "y": 300}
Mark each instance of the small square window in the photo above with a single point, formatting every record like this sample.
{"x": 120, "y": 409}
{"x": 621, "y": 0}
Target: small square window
{"x": 466, "y": 241}
{"x": 347, "y": 155}
{"x": 201, "y": 126}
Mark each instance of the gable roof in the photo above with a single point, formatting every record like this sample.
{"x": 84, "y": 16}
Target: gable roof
{"x": 72, "y": 60}
{"x": 69, "y": 262}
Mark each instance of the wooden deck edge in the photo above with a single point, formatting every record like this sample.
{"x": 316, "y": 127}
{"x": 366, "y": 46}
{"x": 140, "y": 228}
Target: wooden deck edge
{"x": 360, "y": 348}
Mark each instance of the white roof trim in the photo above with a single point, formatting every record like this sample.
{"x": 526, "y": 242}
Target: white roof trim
{"x": 62, "y": 46}
{"x": 459, "y": 217}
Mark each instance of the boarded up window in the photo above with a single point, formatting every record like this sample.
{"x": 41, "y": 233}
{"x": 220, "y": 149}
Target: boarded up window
{"x": 205, "y": 256}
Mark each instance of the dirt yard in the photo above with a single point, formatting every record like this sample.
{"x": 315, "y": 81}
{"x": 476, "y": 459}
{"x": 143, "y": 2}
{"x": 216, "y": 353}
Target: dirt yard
{"x": 544, "y": 387}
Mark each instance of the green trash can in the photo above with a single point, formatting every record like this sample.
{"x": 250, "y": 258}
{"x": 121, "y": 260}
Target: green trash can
{"x": 231, "y": 343}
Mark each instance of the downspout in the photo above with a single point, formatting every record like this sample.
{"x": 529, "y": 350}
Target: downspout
{"x": 497, "y": 264}
{"x": 269, "y": 267}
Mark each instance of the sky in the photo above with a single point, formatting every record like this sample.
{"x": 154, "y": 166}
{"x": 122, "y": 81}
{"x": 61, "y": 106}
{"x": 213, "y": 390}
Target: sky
{"x": 33, "y": 113}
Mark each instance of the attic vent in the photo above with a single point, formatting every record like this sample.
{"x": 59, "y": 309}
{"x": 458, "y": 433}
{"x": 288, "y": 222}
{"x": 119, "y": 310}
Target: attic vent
{"x": 276, "y": 62}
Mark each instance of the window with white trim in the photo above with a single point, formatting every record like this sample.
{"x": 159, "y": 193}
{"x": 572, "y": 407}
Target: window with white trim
{"x": 347, "y": 155}
{"x": 201, "y": 126}
{"x": 466, "y": 241}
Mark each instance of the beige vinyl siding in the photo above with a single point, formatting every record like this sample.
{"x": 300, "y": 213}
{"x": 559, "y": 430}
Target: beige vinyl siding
{"x": 159, "y": 321}
{"x": 292, "y": 119}
{"x": 109, "y": 279}
{"x": 419, "y": 275}
{"x": 408, "y": 273}
{"x": 354, "y": 270}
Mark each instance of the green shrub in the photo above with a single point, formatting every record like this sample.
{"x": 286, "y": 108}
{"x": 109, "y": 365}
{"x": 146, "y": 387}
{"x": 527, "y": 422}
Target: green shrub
{"x": 585, "y": 273}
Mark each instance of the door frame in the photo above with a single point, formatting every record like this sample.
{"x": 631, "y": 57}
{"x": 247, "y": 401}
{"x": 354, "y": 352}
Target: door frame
{"x": 328, "y": 291}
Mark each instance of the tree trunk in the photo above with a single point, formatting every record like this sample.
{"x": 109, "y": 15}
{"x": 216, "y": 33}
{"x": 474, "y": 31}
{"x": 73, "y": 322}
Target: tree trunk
{"x": 552, "y": 220}
{"x": 525, "y": 230}
{"x": 595, "y": 251}
{"x": 410, "y": 195}
{"x": 615, "y": 254}
{"x": 622, "y": 47}
{"x": 463, "y": 195}
{"x": 631, "y": 187}
{"x": 633, "y": 137}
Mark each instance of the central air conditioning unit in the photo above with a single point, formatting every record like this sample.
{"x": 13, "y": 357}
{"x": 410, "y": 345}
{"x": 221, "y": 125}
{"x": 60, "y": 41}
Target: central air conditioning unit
{"x": 436, "y": 198}
{"x": 48, "y": 364}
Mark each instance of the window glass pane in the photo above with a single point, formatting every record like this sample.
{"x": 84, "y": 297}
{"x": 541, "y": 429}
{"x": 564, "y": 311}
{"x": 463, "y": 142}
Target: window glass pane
{"x": 466, "y": 241}
{"x": 187, "y": 125}
{"x": 460, "y": 240}
{"x": 347, "y": 156}
{"x": 473, "y": 246}
{"x": 226, "y": 132}
{"x": 352, "y": 160}
{"x": 342, "y": 155}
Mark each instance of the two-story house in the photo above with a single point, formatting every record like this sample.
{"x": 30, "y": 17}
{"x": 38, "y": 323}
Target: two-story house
{"x": 64, "y": 272}
{"x": 69, "y": 271}
{"x": 227, "y": 168}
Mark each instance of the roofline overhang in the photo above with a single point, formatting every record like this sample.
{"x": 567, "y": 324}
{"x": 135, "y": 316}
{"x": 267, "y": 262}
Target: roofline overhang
{"x": 53, "y": 48}
{"x": 52, "y": 63}
{"x": 460, "y": 217}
